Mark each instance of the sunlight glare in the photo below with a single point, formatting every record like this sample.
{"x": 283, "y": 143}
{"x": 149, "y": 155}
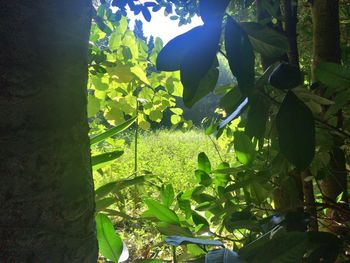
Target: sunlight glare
{"x": 162, "y": 26}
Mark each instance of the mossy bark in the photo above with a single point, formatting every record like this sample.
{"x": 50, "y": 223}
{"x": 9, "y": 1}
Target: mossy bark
{"x": 46, "y": 187}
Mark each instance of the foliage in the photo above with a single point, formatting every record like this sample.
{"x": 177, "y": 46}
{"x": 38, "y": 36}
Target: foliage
{"x": 279, "y": 128}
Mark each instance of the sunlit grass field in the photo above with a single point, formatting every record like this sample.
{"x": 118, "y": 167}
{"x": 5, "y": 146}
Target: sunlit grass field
{"x": 171, "y": 155}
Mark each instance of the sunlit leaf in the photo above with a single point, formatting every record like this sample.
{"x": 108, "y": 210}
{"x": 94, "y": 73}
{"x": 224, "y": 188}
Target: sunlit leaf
{"x": 244, "y": 148}
{"x": 101, "y": 160}
{"x": 161, "y": 212}
{"x": 99, "y": 137}
{"x": 109, "y": 243}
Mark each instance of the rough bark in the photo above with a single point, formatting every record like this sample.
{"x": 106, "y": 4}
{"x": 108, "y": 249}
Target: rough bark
{"x": 46, "y": 187}
{"x": 326, "y": 48}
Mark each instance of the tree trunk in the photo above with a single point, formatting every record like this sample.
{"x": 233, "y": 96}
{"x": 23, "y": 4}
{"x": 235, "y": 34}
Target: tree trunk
{"x": 326, "y": 45}
{"x": 46, "y": 187}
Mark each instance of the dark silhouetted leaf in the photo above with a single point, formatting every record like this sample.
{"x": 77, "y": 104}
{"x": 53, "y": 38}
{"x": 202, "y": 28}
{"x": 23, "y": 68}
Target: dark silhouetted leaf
{"x": 212, "y": 10}
{"x": 174, "y": 52}
{"x": 284, "y": 247}
{"x": 285, "y": 76}
{"x": 266, "y": 41}
{"x": 173, "y": 230}
{"x": 240, "y": 55}
{"x": 257, "y": 117}
{"x": 333, "y": 75}
{"x": 296, "y": 130}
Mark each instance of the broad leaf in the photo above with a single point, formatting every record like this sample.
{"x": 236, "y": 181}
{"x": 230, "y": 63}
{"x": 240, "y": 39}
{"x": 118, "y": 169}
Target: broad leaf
{"x": 212, "y": 10}
{"x": 180, "y": 240}
{"x": 118, "y": 185}
{"x": 333, "y": 75}
{"x": 100, "y": 137}
{"x": 285, "y": 76}
{"x": 266, "y": 41}
{"x": 276, "y": 248}
{"x": 101, "y": 160}
{"x": 173, "y": 230}
{"x": 257, "y": 117}
{"x": 296, "y": 130}
{"x": 204, "y": 163}
{"x": 102, "y": 204}
{"x": 244, "y": 148}
{"x": 161, "y": 212}
{"x": 174, "y": 52}
{"x": 194, "y": 90}
{"x": 109, "y": 243}
{"x": 223, "y": 255}
{"x": 240, "y": 55}
{"x": 167, "y": 194}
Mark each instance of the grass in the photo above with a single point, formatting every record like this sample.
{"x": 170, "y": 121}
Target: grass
{"x": 170, "y": 155}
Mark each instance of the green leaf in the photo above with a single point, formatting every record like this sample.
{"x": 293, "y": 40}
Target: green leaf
{"x": 100, "y": 137}
{"x": 244, "y": 148}
{"x": 204, "y": 163}
{"x": 104, "y": 203}
{"x": 109, "y": 243}
{"x": 240, "y": 56}
{"x": 167, "y": 194}
{"x": 333, "y": 75}
{"x": 286, "y": 247}
{"x": 93, "y": 105}
{"x": 296, "y": 130}
{"x": 257, "y": 117}
{"x": 115, "y": 41}
{"x": 265, "y": 40}
{"x": 180, "y": 240}
{"x": 118, "y": 185}
{"x": 173, "y": 230}
{"x": 101, "y": 160}
{"x": 223, "y": 255}
{"x": 175, "y": 119}
{"x": 203, "y": 178}
{"x": 161, "y": 212}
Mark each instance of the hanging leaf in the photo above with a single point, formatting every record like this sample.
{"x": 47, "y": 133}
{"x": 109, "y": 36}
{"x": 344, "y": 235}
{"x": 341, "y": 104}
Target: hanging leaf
{"x": 109, "y": 243}
{"x": 104, "y": 159}
{"x": 265, "y": 40}
{"x": 223, "y": 255}
{"x": 174, "y": 52}
{"x": 240, "y": 55}
{"x": 204, "y": 163}
{"x": 257, "y": 117}
{"x": 244, "y": 148}
{"x": 296, "y": 130}
{"x": 100, "y": 137}
{"x": 104, "y": 203}
{"x": 180, "y": 240}
{"x": 212, "y": 10}
{"x": 333, "y": 75}
{"x": 173, "y": 230}
{"x": 194, "y": 91}
{"x": 285, "y": 76}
